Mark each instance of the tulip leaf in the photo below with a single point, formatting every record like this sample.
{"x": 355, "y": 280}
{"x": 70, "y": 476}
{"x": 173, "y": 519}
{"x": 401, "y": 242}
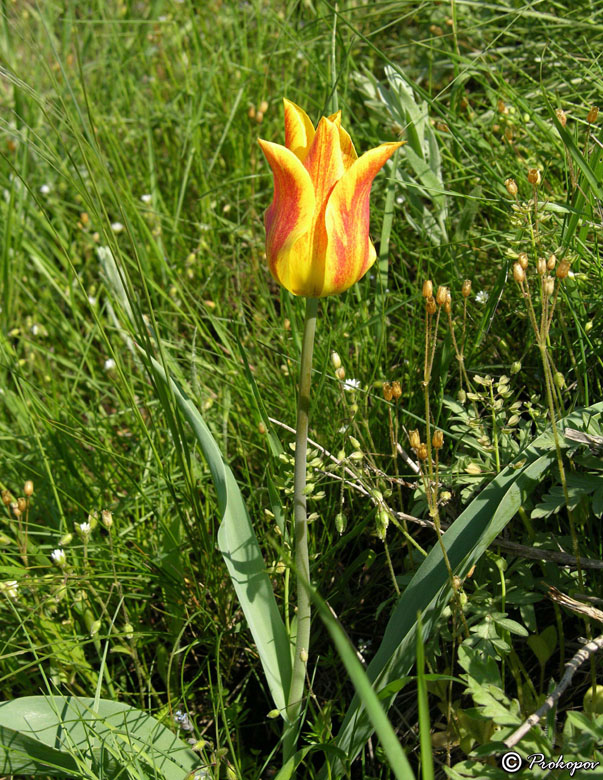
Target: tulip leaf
{"x": 429, "y": 590}
{"x": 239, "y": 546}
{"x": 70, "y": 735}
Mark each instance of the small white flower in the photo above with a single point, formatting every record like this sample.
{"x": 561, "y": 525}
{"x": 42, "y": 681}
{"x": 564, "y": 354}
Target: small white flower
{"x": 481, "y": 297}
{"x": 35, "y": 329}
{"x": 85, "y": 528}
{"x": 351, "y": 384}
{"x": 109, "y": 364}
{"x": 399, "y": 200}
{"x": 146, "y": 198}
{"x": 92, "y": 300}
{"x": 58, "y": 557}
{"x": 9, "y": 587}
{"x": 45, "y": 189}
{"x": 117, "y": 227}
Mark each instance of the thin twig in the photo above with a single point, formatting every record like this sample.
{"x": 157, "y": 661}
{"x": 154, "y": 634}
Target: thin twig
{"x": 583, "y": 654}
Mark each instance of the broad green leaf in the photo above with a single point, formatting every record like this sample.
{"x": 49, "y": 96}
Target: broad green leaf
{"x": 429, "y": 590}
{"x": 543, "y": 645}
{"x": 59, "y": 736}
{"x": 242, "y": 554}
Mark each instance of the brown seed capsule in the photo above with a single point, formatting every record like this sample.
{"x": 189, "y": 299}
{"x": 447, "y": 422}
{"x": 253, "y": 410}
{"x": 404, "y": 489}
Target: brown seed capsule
{"x": 340, "y": 373}
{"x": 387, "y": 391}
{"x": 592, "y": 115}
{"x": 518, "y": 273}
{"x": 441, "y": 295}
{"x": 28, "y": 488}
{"x": 511, "y": 186}
{"x": 263, "y": 106}
{"x": 414, "y": 439}
{"x": 427, "y": 288}
{"x": 551, "y": 262}
{"x": 6, "y": 498}
{"x": 534, "y": 176}
{"x": 259, "y": 116}
{"x": 422, "y": 452}
{"x": 251, "y": 111}
{"x": 437, "y": 440}
{"x": 22, "y": 504}
{"x": 500, "y": 105}
{"x": 15, "y": 509}
{"x": 561, "y": 116}
{"x": 430, "y": 305}
{"x": 563, "y": 269}
{"x": 466, "y": 289}
{"x": 396, "y": 389}
{"x": 107, "y": 517}
{"x": 541, "y": 266}
{"x": 522, "y": 259}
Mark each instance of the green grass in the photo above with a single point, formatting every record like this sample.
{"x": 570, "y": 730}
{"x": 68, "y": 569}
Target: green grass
{"x": 104, "y": 103}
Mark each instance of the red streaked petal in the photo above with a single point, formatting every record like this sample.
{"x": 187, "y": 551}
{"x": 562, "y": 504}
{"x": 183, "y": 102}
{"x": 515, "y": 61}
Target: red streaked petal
{"x": 348, "y": 152}
{"x": 289, "y": 216}
{"x": 350, "y": 253}
{"x": 299, "y": 130}
{"x": 324, "y": 162}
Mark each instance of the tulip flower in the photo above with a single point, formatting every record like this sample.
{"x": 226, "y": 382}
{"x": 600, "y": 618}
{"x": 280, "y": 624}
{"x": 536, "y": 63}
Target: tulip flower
{"x": 317, "y": 227}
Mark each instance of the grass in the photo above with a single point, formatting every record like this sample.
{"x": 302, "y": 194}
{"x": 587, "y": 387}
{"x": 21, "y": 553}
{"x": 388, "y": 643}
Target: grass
{"x": 128, "y": 126}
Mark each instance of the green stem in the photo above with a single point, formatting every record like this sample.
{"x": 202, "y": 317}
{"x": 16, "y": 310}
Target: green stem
{"x": 302, "y": 561}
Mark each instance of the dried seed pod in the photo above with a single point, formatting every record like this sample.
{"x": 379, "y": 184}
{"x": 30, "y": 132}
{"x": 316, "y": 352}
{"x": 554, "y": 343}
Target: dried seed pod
{"x": 518, "y": 273}
{"x": 340, "y": 373}
{"x": 522, "y": 259}
{"x": 422, "y": 452}
{"x": 448, "y": 302}
{"x": 441, "y": 295}
{"x": 7, "y": 498}
{"x": 563, "y": 269}
{"x": 396, "y": 389}
{"x": 466, "y": 289}
{"x": 541, "y": 266}
{"x": 561, "y": 116}
{"x": 427, "y": 288}
{"x": 511, "y": 186}
{"x": 534, "y": 176}
{"x": 430, "y": 305}
{"x": 28, "y": 488}
{"x": 592, "y": 115}
{"x": 22, "y": 504}
{"x": 263, "y": 106}
{"x": 335, "y": 360}
{"x": 437, "y": 440}
{"x": 387, "y": 391}
{"x": 414, "y": 440}
{"x": 549, "y": 285}
{"x": 551, "y": 262}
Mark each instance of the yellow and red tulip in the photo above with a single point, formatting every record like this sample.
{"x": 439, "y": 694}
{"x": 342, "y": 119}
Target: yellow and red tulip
{"x": 317, "y": 226}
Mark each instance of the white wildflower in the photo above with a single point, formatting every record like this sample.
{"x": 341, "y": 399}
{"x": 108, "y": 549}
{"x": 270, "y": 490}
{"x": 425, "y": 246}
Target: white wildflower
{"x": 146, "y": 198}
{"x": 9, "y": 587}
{"x": 481, "y": 297}
{"x": 45, "y": 189}
{"x": 351, "y": 384}
{"x": 117, "y": 227}
{"x": 59, "y": 558}
{"x": 109, "y": 364}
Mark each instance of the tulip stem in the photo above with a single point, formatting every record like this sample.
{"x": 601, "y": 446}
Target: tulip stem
{"x": 302, "y": 561}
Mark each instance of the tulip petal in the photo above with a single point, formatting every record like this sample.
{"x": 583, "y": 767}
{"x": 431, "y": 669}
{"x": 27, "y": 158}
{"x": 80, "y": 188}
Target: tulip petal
{"x": 349, "y": 252}
{"x": 299, "y": 130}
{"x": 324, "y": 162}
{"x": 347, "y": 147}
{"x": 289, "y": 216}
